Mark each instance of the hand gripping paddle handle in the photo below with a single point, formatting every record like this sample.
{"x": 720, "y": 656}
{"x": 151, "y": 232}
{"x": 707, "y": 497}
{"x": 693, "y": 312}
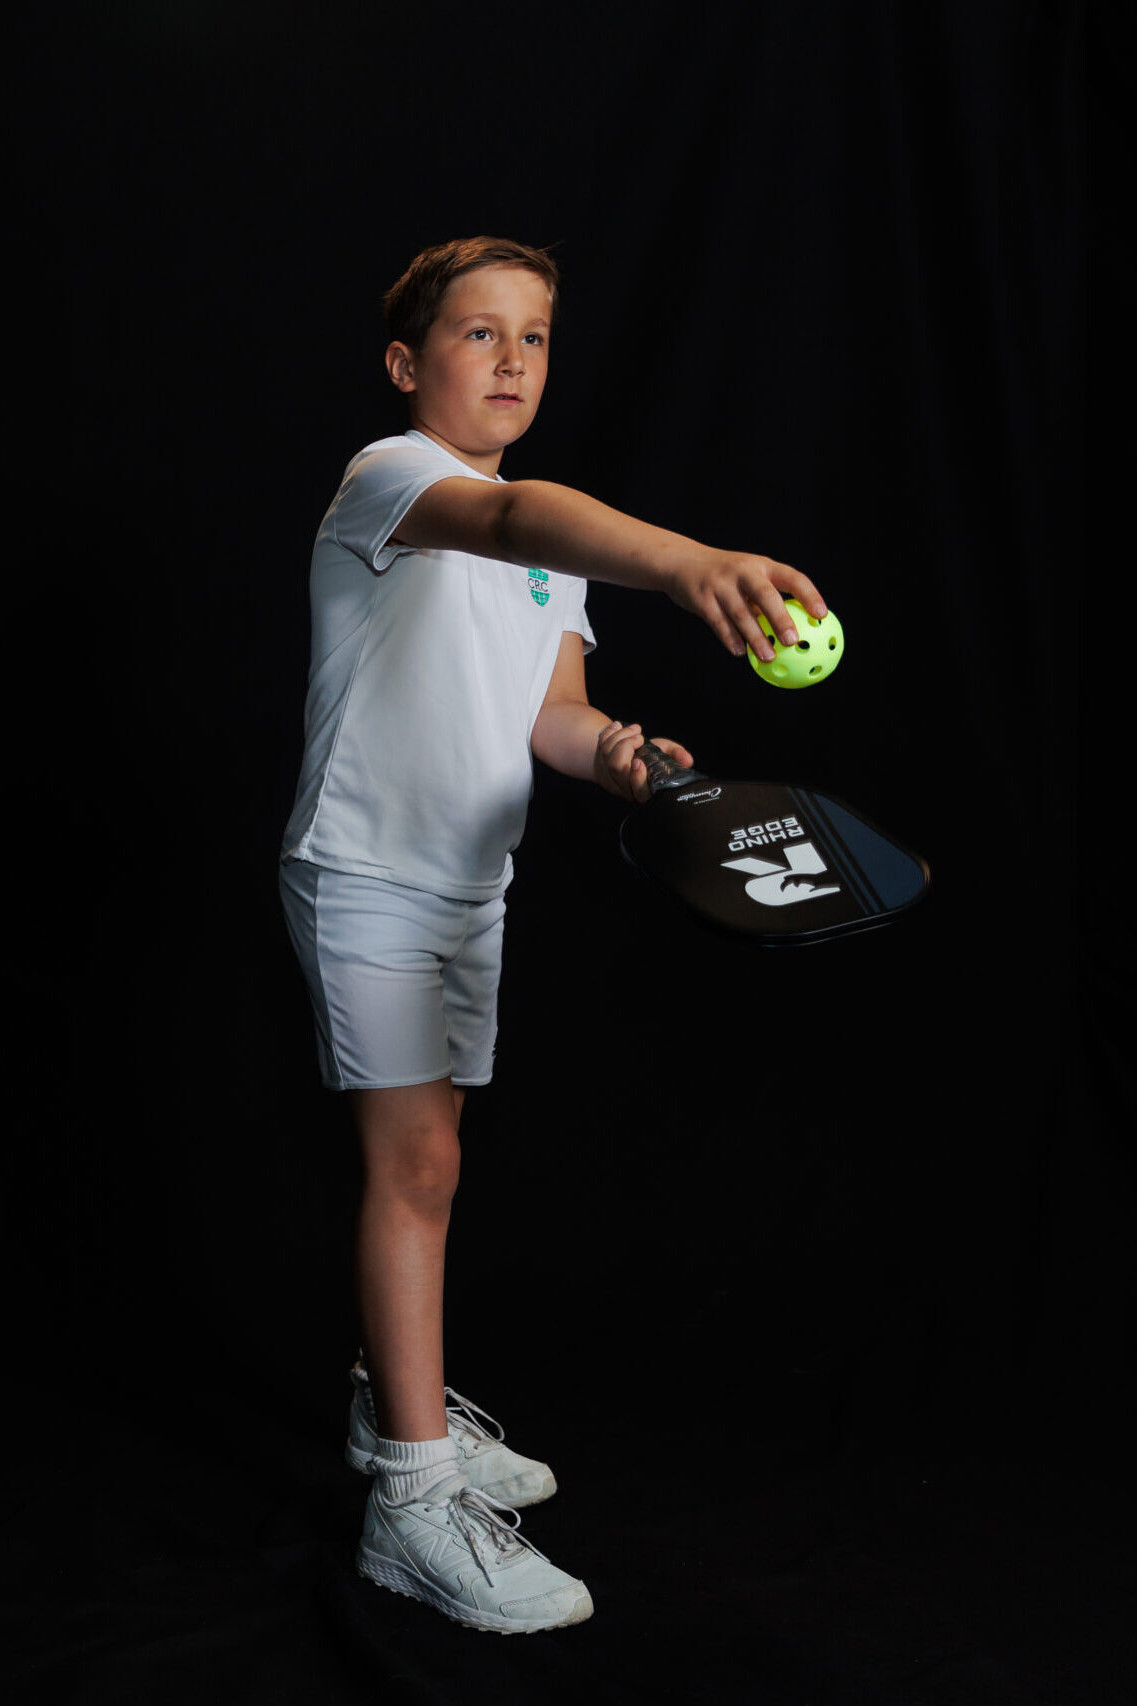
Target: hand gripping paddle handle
{"x": 663, "y": 771}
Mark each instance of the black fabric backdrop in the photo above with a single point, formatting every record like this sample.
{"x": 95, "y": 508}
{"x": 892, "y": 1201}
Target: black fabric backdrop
{"x": 809, "y": 1272}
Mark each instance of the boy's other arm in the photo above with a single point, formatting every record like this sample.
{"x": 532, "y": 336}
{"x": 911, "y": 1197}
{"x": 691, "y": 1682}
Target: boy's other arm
{"x": 544, "y": 526}
{"x": 572, "y": 736}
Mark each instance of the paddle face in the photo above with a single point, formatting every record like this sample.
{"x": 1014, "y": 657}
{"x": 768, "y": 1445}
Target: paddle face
{"x": 774, "y": 861}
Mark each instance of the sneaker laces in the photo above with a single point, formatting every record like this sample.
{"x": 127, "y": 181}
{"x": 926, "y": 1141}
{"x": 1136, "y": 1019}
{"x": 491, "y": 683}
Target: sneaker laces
{"x": 475, "y": 1515}
{"x": 465, "y": 1413}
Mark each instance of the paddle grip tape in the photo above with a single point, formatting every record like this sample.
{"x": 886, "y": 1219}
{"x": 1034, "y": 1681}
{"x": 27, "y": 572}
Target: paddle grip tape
{"x": 663, "y": 771}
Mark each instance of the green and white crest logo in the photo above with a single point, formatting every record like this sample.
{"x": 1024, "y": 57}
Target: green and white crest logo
{"x": 538, "y": 586}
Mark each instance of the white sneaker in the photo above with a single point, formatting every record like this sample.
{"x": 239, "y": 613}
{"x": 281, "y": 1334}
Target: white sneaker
{"x": 484, "y": 1459}
{"x": 452, "y": 1550}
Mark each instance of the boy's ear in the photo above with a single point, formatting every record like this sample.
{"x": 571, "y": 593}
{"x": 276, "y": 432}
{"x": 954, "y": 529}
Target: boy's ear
{"x": 400, "y": 366}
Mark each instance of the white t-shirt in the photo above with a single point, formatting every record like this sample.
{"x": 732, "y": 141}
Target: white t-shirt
{"x": 428, "y": 671}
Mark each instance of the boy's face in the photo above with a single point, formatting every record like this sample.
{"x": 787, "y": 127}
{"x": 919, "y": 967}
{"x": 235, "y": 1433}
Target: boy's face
{"x": 475, "y": 383}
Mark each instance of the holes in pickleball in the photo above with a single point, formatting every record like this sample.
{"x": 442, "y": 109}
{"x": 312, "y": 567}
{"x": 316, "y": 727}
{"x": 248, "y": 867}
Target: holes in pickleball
{"x": 803, "y": 645}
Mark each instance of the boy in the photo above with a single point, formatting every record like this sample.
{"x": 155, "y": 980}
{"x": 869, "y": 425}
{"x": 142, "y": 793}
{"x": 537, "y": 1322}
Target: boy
{"x": 448, "y": 645}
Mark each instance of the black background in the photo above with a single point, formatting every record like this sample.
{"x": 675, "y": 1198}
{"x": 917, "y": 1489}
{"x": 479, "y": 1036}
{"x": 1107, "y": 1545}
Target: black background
{"x": 810, "y": 1272}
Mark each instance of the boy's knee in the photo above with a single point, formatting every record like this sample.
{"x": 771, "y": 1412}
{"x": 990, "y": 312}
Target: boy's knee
{"x": 411, "y": 1151}
{"x": 425, "y": 1173}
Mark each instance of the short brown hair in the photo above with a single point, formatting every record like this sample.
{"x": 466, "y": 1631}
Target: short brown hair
{"x": 412, "y": 303}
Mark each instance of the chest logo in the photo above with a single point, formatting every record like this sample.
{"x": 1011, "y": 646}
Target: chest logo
{"x": 538, "y": 586}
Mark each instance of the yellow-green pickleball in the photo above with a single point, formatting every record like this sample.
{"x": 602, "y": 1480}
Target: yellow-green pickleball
{"x": 816, "y": 655}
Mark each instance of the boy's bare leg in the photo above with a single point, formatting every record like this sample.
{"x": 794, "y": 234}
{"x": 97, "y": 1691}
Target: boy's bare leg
{"x": 410, "y": 1151}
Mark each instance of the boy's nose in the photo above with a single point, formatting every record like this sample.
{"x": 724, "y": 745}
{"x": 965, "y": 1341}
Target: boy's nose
{"x": 511, "y": 360}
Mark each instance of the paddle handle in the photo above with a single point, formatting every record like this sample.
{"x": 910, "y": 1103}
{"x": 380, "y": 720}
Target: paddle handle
{"x": 663, "y": 771}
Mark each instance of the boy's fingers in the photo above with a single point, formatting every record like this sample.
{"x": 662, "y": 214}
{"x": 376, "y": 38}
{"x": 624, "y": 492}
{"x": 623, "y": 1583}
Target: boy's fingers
{"x": 764, "y": 589}
{"x": 739, "y": 612}
{"x": 807, "y": 594}
{"x": 725, "y": 629}
{"x": 768, "y": 598}
{"x": 641, "y": 787}
{"x": 773, "y": 608}
{"x": 728, "y": 597}
{"x": 617, "y": 736}
{"x": 791, "y": 583}
{"x": 616, "y": 746}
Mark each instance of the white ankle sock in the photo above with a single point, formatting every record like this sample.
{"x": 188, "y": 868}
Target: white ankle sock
{"x": 408, "y": 1468}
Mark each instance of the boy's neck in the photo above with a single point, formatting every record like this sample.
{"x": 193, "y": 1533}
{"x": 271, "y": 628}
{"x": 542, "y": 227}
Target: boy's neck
{"x": 489, "y": 463}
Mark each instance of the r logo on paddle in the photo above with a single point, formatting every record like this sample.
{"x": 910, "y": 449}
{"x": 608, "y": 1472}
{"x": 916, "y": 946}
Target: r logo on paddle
{"x": 774, "y": 885}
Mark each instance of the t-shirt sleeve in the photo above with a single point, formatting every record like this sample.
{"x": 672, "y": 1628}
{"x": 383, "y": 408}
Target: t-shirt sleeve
{"x": 576, "y": 616}
{"x": 379, "y": 487}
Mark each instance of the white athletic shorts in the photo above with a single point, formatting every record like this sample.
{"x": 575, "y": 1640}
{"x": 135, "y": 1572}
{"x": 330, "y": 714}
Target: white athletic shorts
{"x": 403, "y": 983}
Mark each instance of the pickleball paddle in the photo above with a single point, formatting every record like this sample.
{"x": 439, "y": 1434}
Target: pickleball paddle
{"x": 774, "y": 861}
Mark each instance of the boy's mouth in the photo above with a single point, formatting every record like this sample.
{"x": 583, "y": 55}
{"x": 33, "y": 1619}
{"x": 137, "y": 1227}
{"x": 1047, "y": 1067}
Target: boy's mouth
{"x": 503, "y": 397}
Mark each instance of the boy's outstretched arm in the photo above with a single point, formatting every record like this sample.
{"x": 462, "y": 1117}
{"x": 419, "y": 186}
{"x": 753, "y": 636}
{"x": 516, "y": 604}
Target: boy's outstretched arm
{"x": 541, "y": 525}
{"x": 574, "y": 737}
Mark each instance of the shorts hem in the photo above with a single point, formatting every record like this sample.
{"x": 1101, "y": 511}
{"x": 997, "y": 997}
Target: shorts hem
{"x": 388, "y": 1083}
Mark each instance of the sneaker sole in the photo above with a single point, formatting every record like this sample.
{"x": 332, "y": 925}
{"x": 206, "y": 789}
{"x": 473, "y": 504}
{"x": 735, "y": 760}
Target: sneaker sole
{"x": 400, "y": 1578}
{"x": 362, "y": 1461}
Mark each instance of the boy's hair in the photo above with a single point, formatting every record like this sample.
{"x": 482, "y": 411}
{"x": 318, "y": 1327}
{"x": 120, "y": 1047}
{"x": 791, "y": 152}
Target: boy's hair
{"x": 412, "y": 303}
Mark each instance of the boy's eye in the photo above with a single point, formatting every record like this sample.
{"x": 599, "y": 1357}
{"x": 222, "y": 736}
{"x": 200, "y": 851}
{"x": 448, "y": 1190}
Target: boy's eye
{"x": 483, "y": 335}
